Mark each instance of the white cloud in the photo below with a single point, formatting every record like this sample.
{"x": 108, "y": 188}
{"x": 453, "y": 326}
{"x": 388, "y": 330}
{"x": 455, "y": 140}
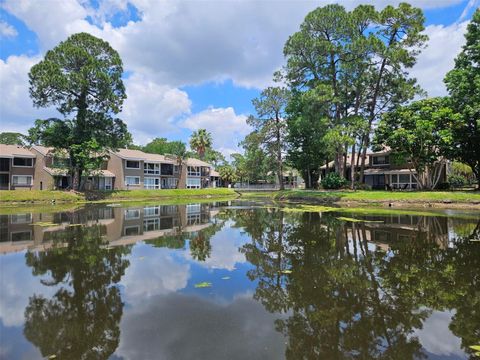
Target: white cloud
{"x": 150, "y": 107}
{"x": 437, "y": 59}
{"x": 436, "y": 337}
{"x": 7, "y": 30}
{"x": 226, "y": 126}
{"x": 17, "y": 112}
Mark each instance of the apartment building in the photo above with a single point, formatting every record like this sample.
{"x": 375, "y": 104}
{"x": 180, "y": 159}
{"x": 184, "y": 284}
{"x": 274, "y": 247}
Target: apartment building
{"x": 17, "y": 167}
{"x": 381, "y": 173}
{"x": 41, "y": 168}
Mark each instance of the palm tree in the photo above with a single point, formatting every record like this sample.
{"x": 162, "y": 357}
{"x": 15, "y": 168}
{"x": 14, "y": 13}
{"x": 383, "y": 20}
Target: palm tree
{"x": 200, "y": 141}
{"x": 180, "y": 155}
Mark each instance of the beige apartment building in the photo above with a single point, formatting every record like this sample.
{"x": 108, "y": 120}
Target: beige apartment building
{"x": 17, "y": 167}
{"x": 41, "y": 168}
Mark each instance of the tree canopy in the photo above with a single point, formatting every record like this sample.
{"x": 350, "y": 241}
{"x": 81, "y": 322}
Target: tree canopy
{"x": 82, "y": 78}
{"x": 463, "y": 84}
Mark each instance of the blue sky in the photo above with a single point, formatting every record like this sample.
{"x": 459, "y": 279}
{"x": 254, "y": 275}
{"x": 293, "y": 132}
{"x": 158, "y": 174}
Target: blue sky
{"x": 189, "y": 64}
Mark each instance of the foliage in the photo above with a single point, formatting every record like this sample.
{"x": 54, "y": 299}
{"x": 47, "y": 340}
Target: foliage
{"x": 307, "y": 126}
{"x": 228, "y": 174}
{"x": 457, "y": 181}
{"x": 419, "y": 132}
{"x": 270, "y": 125}
{"x": 359, "y": 59}
{"x": 162, "y": 146}
{"x": 13, "y": 138}
{"x": 82, "y": 78}
{"x": 200, "y": 141}
{"x": 255, "y": 163}
{"x": 463, "y": 84}
{"x": 333, "y": 181}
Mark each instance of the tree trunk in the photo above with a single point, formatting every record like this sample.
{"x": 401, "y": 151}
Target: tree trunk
{"x": 279, "y": 154}
{"x": 76, "y": 179}
{"x": 352, "y": 168}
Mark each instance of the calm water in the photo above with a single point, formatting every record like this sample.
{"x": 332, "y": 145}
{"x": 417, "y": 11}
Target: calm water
{"x": 123, "y": 283}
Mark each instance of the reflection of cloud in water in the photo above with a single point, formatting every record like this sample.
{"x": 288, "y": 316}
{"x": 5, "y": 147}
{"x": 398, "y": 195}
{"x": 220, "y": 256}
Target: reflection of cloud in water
{"x": 178, "y": 326}
{"x": 437, "y": 338}
{"x": 17, "y": 284}
{"x": 153, "y": 272}
{"x": 224, "y": 254}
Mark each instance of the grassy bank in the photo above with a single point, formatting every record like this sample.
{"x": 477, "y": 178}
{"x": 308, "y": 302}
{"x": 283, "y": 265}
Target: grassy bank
{"x": 19, "y": 197}
{"x": 364, "y": 197}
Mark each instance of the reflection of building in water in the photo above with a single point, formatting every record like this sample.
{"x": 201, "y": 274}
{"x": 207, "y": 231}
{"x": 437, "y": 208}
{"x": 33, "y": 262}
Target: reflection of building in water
{"x": 384, "y": 231}
{"x": 119, "y": 226}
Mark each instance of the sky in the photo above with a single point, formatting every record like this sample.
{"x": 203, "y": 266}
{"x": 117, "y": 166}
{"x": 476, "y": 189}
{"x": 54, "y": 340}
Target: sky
{"x": 190, "y": 64}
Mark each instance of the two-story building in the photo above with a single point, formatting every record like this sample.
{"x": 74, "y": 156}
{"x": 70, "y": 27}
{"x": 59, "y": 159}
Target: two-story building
{"x": 17, "y": 167}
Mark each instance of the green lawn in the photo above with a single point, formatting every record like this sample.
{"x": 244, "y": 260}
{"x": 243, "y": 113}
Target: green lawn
{"x": 9, "y": 196}
{"x": 371, "y": 196}
{"x": 46, "y": 196}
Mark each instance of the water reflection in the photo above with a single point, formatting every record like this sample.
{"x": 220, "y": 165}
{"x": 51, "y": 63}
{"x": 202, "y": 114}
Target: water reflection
{"x": 112, "y": 282}
{"x": 363, "y": 290}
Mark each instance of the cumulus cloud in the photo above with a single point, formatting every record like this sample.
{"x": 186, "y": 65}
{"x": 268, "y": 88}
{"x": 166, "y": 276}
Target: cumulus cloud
{"x": 445, "y": 42}
{"x": 7, "y": 30}
{"x": 177, "y": 326}
{"x": 227, "y": 127}
{"x": 17, "y": 112}
{"x": 151, "y": 108}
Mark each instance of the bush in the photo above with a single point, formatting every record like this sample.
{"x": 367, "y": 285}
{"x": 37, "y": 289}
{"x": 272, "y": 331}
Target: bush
{"x": 362, "y": 186}
{"x": 333, "y": 181}
{"x": 457, "y": 181}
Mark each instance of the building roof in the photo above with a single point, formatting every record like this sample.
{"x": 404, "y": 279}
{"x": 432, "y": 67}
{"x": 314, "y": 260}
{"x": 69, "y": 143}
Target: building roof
{"x": 55, "y": 171}
{"x": 11, "y": 151}
{"x": 214, "y": 173}
{"x": 44, "y": 150}
{"x": 331, "y": 164}
{"x": 197, "y": 162}
{"x": 130, "y": 154}
{"x": 387, "y": 171}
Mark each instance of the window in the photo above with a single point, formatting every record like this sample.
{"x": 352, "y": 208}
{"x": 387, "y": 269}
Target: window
{"x": 132, "y": 230}
{"x": 4, "y": 164}
{"x": 23, "y": 162}
{"x": 151, "y": 224}
{"x": 193, "y": 171}
{"x": 21, "y": 218}
{"x": 381, "y": 160}
{"x": 151, "y": 168}
{"x": 151, "y": 183}
{"x": 132, "y": 164}
{"x": 167, "y": 169}
{"x": 22, "y": 180}
{"x": 132, "y": 214}
{"x": 21, "y": 236}
{"x": 151, "y": 211}
{"x": 193, "y": 183}
{"x": 402, "y": 181}
{"x": 132, "y": 180}
{"x": 169, "y": 183}
{"x": 176, "y": 169}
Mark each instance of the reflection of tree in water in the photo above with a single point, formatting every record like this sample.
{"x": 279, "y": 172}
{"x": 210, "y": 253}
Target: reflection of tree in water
{"x": 81, "y": 321}
{"x": 200, "y": 241}
{"x": 343, "y": 300}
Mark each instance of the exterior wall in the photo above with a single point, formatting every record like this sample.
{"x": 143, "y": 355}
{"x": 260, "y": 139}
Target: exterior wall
{"x": 29, "y": 171}
{"x": 115, "y": 165}
{"x": 41, "y": 176}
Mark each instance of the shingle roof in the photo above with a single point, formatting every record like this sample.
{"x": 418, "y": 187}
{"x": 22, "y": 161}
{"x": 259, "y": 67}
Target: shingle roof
{"x": 129, "y": 154}
{"x": 11, "y": 151}
{"x": 42, "y": 149}
{"x": 197, "y": 162}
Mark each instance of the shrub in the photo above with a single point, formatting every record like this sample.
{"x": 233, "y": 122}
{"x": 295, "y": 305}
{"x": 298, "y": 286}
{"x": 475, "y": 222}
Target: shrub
{"x": 362, "y": 186}
{"x": 334, "y": 181}
{"x": 457, "y": 181}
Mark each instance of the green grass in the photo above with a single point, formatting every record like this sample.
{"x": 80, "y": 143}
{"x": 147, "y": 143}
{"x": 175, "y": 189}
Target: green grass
{"x": 19, "y": 197}
{"x": 467, "y": 197}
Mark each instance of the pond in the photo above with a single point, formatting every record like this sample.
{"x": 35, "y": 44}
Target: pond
{"x": 237, "y": 280}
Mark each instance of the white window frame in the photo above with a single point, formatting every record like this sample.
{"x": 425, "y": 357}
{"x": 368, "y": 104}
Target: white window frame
{"x": 135, "y": 214}
{"x": 134, "y": 168}
{"x": 151, "y": 222}
{"x": 196, "y": 186}
{"x": 155, "y": 171}
{"x": 22, "y": 166}
{"x": 149, "y": 211}
{"x": 156, "y": 183}
{"x": 18, "y": 184}
{"x": 194, "y": 171}
{"x": 132, "y": 177}
{"x": 399, "y": 185}
{"x": 24, "y": 218}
